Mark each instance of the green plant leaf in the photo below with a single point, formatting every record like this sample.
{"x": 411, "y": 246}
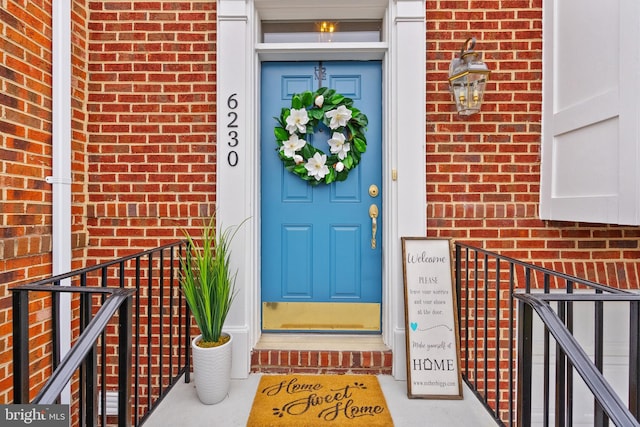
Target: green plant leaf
{"x": 336, "y": 98}
{"x": 316, "y": 114}
{"x": 307, "y": 98}
{"x": 361, "y": 119}
{"x": 342, "y": 175}
{"x": 331, "y": 176}
{"x": 308, "y": 151}
{"x": 206, "y": 279}
{"x": 296, "y": 102}
{"x": 348, "y": 162}
{"x": 361, "y": 146}
{"x": 328, "y": 94}
{"x": 281, "y": 134}
{"x": 357, "y": 156}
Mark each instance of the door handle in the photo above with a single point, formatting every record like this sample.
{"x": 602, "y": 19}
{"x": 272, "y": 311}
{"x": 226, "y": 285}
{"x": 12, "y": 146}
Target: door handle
{"x": 373, "y": 213}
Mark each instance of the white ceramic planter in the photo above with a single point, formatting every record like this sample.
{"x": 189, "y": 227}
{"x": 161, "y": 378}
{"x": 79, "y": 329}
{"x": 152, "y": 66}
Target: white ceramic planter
{"x": 212, "y": 371}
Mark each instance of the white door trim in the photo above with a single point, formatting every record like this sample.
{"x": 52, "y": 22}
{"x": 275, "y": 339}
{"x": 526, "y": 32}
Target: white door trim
{"x": 238, "y": 188}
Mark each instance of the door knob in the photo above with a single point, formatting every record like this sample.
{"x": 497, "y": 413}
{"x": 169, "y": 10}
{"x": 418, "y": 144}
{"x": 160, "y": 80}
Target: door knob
{"x": 373, "y": 190}
{"x": 373, "y": 213}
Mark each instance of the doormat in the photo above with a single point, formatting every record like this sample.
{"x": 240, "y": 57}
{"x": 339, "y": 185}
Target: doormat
{"x": 319, "y": 400}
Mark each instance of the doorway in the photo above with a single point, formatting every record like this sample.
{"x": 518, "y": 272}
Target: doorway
{"x": 321, "y": 245}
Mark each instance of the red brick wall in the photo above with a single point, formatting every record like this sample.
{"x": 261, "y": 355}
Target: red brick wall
{"x": 25, "y": 158}
{"x": 25, "y": 161}
{"x": 483, "y": 171}
{"x": 79, "y": 57}
{"x": 151, "y": 129}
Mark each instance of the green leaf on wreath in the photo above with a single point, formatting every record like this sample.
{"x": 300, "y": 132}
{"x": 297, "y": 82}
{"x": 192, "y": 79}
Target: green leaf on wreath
{"x": 316, "y": 114}
{"x": 308, "y": 151}
{"x": 352, "y": 129}
{"x": 300, "y": 169}
{"x": 348, "y": 162}
{"x": 281, "y": 134}
{"x": 337, "y": 98}
{"x": 307, "y": 98}
{"x": 296, "y": 102}
{"x": 331, "y": 176}
{"x": 361, "y": 119}
{"x": 361, "y": 146}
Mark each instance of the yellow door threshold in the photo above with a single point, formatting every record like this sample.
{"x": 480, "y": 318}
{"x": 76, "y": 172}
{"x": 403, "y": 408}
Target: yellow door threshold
{"x": 321, "y": 316}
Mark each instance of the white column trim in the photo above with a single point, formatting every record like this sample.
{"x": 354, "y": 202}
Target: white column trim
{"x": 407, "y": 139}
{"x": 235, "y": 184}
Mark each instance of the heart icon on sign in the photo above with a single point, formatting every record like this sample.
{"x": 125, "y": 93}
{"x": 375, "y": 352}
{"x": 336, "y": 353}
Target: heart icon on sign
{"x": 414, "y": 326}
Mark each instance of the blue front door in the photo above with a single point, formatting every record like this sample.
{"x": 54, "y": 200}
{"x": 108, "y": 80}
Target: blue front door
{"x": 321, "y": 249}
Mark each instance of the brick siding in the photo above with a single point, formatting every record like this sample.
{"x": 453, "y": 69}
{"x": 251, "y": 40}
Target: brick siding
{"x": 151, "y": 122}
{"x": 25, "y": 161}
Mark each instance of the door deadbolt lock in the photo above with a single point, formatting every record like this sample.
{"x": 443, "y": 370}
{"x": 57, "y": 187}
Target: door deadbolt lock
{"x": 373, "y": 190}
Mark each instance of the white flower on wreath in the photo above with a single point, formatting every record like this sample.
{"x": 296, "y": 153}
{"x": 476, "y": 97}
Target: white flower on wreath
{"x": 316, "y": 166}
{"x": 297, "y": 121}
{"x": 339, "y": 117}
{"x": 339, "y": 167}
{"x": 293, "y": 144}
{"x": 319, "y": 101}
{"x": 338, "y": 146}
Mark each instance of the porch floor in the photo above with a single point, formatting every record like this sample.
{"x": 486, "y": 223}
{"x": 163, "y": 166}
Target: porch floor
{"x": 182, "y": 407}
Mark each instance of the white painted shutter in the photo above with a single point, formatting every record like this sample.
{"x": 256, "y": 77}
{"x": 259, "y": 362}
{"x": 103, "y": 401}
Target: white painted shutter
{"x": 591, "y": 111}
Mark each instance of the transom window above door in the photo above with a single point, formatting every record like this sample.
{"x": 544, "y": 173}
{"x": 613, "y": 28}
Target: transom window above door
{"x": 321, "y": 31}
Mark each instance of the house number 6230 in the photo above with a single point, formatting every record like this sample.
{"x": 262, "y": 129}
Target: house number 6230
{"x": 232, "y": 132}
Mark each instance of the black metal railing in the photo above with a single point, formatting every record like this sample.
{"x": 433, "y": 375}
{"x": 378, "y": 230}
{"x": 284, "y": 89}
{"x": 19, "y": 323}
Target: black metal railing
{"x": 81, "y": 356}
{"x": 570, "y": 356}
{"x": 489, "y": 287}
{"x": 130, "y": 327}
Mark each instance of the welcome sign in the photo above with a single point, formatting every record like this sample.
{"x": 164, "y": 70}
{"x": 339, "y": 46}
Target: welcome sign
{"x": 433, "y": 354}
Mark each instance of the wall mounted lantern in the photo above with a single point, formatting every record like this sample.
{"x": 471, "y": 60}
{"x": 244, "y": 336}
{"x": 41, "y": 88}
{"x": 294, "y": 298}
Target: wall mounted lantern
{"x": 468, "y": 76}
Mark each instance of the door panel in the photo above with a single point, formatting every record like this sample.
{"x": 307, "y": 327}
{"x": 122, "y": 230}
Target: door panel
{"x": 316, "y": 240}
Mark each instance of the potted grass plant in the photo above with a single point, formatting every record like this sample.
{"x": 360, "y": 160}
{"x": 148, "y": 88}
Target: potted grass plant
{"x": 208, "y": 285}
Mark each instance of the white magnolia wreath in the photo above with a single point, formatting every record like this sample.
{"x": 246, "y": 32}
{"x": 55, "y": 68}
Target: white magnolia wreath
{"x": 346, "y": 145}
